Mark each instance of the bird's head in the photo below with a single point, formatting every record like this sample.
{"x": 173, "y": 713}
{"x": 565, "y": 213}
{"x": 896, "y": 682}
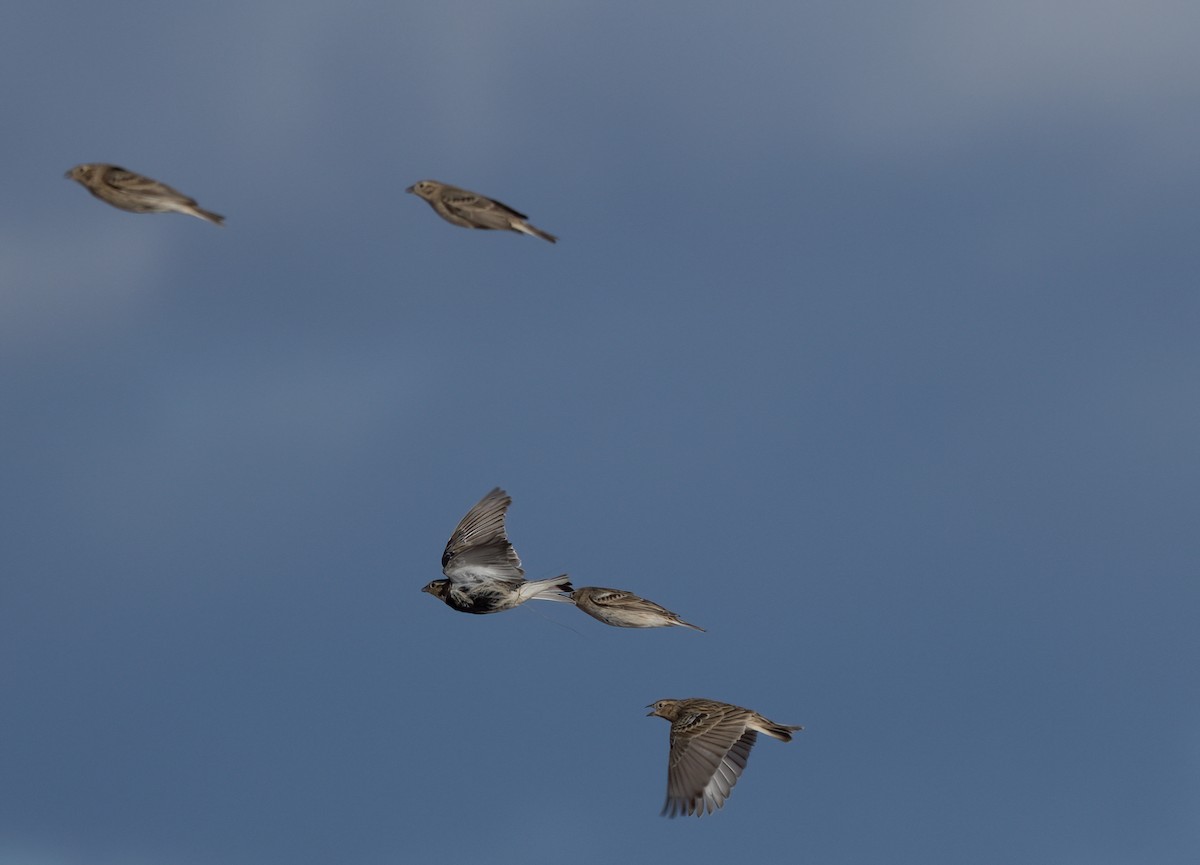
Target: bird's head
{"x": 426, "y": 189}
{"x": 437, "y": 588}
{"x": 664, "y": 709}
{"x": 82, "y": 173}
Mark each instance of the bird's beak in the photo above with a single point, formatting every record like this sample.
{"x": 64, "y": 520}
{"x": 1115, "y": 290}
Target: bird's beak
{"x": 67, "y": 175}
{"x": 649, "y": 706}
{"x": 425, "y": 588}
{"x": 411, "y": 188}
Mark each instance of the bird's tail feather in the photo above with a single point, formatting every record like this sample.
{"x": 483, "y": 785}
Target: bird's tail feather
{"x": 782, "y": 732}
{"x": 549, "y": 590}
{"x": 526, "y": 228}
{"x": 214, "y": 218}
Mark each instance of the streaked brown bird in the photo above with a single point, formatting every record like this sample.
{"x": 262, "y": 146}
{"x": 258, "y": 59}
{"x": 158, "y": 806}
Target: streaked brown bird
{"x": 483, "y": 572}
{"x": 625, "y": 609}
{"x": 135, "y": 193}
{"x": 710, "y": 744}
{"x": 472, "y": 210}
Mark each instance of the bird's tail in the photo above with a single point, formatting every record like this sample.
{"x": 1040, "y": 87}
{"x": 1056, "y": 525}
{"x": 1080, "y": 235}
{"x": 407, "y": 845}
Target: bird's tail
{"x": 548, "y": 590}
{"x": 782, "y": 732}
{"x": 214, "y": 218}
{"x": 526, "y": 228}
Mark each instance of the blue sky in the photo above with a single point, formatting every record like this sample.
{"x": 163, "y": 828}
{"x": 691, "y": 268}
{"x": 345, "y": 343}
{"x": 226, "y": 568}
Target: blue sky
{"x": 870, "y": 345}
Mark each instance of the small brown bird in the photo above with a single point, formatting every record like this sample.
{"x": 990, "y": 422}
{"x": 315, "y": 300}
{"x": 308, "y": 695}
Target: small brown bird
{"x": 710, "y": 744}
{"x": 133, "y": 192}
{"x": 471, "y": 210}
{"x": 483, "y": 573}
{"x": 625, "y": 609}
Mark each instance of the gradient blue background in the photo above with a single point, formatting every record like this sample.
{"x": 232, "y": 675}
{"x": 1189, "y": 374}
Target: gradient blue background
{"x": 871, "y": 344}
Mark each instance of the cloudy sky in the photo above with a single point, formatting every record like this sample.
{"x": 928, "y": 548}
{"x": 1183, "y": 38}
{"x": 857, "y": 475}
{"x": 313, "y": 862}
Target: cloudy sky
{"x": 871, "y": 344}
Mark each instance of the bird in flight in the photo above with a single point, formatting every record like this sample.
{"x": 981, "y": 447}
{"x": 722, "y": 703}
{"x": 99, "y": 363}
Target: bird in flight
{"x": 135, "y": 193}
{"x": 483, "y": 572}
{"x": 625, "y": 609}
{"x": 710, "y": 744}
{"x": 472, "y": 210}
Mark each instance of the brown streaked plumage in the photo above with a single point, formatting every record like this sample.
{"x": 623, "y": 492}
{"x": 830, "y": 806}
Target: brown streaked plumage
{"x": 623, "y": 609}
{"x": 472, "y": 210}
{"x": 710, "y": 744}
{"x": 135, "y": 193}
{"x": 483, "y": 572}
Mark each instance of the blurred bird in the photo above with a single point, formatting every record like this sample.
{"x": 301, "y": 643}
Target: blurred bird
{"x": 710, "y": 744}
{"x": 133, "y": 192}
{"x": 483, "y": 572}
{"x": 625, "y": 609}
{"x": 471, "y": 210}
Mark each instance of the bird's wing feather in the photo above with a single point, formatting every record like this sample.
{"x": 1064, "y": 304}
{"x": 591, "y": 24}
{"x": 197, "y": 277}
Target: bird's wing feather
{"x": 512, "y": 211}
{"x": 120, "y": 177}
{"x": 612, "y": 597}
{"x": 479, "y": 547}
{"x": 468, "y": 205}
{"x": 719, "y": 787}
{"x": 708, "y": 754}
{"x": 129, "y": 181}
